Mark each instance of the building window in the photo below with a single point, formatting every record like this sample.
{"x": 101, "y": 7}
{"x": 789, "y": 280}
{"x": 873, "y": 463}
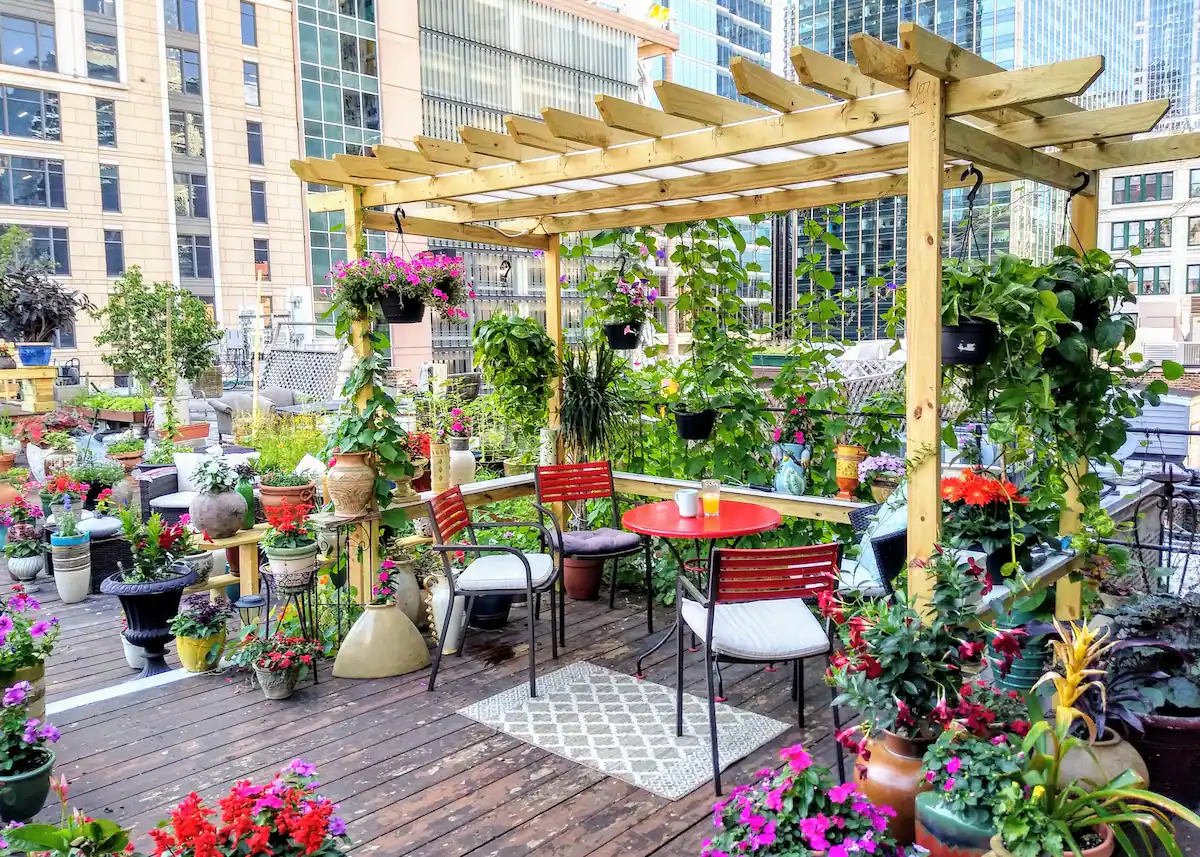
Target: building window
{"x": 258, "y": 202}
{"x": 358, "y": 55}
{"x": 1194, "y": 183}
{"x": 187, "y": 133}
{"x": 249, "y": 25}
{"x": 1146, "y": 234}
{"x": 102, "y": 56}
{"x": 104, "y": 8}
{"x": 110, "y": 188}
{"x": 1193, "y": 282}
{"x": 195, "y": 257}
{"x": 1155, "y": 280}
{"x": 254, "y": 143}
{"x": 64, "y": 337}
{"x": 183, "y": 71}
{"x": 1148, "y": 187}
{"x": 31, "y": 181}
{"x": 106, "y": 122}
{"x": 262, "y": 257}
{"x": 31, "y": 113}
{"x": 191, "y": 195}
{"x": 48, "y": 242}
{"x": 29, "y": 44}
{"x": 114, "y": 252}
{"x": 181, "y": 15}
{"x": 250, "y": 82}
{"x": 361, "y": 9}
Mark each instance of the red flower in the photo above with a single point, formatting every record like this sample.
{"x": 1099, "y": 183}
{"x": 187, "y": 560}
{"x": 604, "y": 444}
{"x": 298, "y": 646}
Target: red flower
{"x": 1008, "y": 645}
{"x": 871, "y": 667}
{"x": 904, "y": 716}
{"x": 969, "y": 651}
{"x": 952, "y": 489}
{"x": 858, "y": 625}
{"x": 831, "y": 607}
{"x": 1019, "y": 727}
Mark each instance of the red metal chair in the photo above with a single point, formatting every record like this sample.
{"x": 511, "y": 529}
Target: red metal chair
{"x": 507, "y": 571}
{"x": 593, "y": 480}
{"x": 756, "y": 611}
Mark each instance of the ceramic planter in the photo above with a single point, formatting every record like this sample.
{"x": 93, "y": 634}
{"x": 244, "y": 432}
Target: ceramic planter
{"x": 461, "y": 462}
{"x": 1171, "y": 748}
{"x": 893, "y": 778}
{"x": 149, "y": 609}
{"x": 72, "y": 566}
{"x": 245, "y": 487}
{"x": 582, "y": 577}
{"x": 1104, "y": 849}
{"x": 294, "y": 495}
{"x": 200, "y": 654}
{"x": 135, "y": 656}
{"x": 791, "y": 473}
{"x": 34, "y": 353}
{"x": 968, "y": 343}
{"x": 8, "y": 493}
{"x": 882, "y": 488}
{"x": 383, "y": 643}
{"x": 623, "y": 335}
{"x": 695, "y": 426}
{"x": 25, "y": 568}
{"x": 490, "y": 612}
{"x": 219, "y": 515}
{"x": 292, "y": 569}
{"x": 439, "y": 600}
{"x": 201, "y": 563}
{"x": 408, "y": 591}
{"x": 946, "y": 834}
{"x": 439, "y": 467}
{"x": 1109, "y": 756}
{"x": 277, "y": 685}
{"x": 22, "y": 796}
{"x": 351, "y": 484}
{"x": 846, "y": 469}
{"x": 36, "y": 676}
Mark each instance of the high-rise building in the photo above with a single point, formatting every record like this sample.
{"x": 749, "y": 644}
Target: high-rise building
{"x": 1021, "y": 217}
{"x": 1167, "y": 56}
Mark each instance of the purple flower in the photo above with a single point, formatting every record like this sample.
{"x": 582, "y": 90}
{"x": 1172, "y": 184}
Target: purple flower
{"x": 953, "y": 766}
{"x": 31, "y": 730}
{"x": 537, "y": 254}
{"x": 16, "y": 694}
{"x": 49, "y": 733}
{"x": 337, "y": 827}
{"x": 891, "y": 286}
{"x": 6, "y": 624}
{"x": 301, "y": 768}
{"x": 39, "y": 628}
{"x": 661, "y": 254}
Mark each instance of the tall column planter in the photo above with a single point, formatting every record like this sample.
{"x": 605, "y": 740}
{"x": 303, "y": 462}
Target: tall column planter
{"x": 439, "y": 467}
{"x": 72, "y": 566}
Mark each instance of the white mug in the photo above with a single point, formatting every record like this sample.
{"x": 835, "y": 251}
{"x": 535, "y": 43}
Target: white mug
{"x": 688, "y": 501}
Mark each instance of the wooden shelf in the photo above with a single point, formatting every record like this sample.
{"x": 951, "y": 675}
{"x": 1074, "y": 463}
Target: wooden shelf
{"x": 216, "y": 581}
{"x": 243, "y": 537}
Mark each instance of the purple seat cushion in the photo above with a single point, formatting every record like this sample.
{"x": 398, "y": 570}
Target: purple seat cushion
{"x": 603, "y": 540}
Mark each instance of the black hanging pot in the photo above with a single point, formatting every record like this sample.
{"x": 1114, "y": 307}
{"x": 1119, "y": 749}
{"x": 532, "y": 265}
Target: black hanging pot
{"x": 623, "y": 335}
{"x": 695, "y": 426}
{"x": 398, "y": 310}
{"x": 968, "y": 343}
{"x": 149, "y": 609}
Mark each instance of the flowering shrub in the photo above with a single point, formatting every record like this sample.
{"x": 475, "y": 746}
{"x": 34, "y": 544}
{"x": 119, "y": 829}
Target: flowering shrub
{"x": 979, "y": 509}
{"x": 968, "y": 772}
{"x": 275, "y": 653}
{"x": 285, "y": 818}
{"x": 75, "y": 835}
{"x": 455, "y": 424}
{"x": 25, "y": 641}
{"x": 433, "y": 278}
{"x": 799, "y": 811}
{"x": 154, "y": 545}
{"x": 290, "y": 527}
{"x": 885, "y": 464}
{"x": 384, "y": 591}
{"x": 797, "y": 424}
{"x": 23, "y": 739}
{"x": 200, "y": 617}
{"x": 61, "y": 487}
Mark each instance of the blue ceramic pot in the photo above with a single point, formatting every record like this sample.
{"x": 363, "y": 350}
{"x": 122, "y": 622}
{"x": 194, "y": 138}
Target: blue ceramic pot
{"x": 64, "y": 541}
{"x": 34, "y": 353}
{"x": 791, "y": 472}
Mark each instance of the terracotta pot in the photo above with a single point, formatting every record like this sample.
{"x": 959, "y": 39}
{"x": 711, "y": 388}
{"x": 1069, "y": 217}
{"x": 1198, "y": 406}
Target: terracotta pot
{"x": 383, "y": 643}
{"x": 272, "y": 496}
{"x": 582, "y": 577}
{"x": 946, "y": 834}
{"x": 128, "y": 460}
{"x": 7, "y": 459}
{"x": 351, "y": 484}
{"x": 1104, "y": 849}
{"x": 893, "y": 777}
{"x": 36, "y": 676}
{"x": 219, "y": 515}
{"x": 8, "y": 493}
{"x": 461, "y": 462}
{"x": 1110, "y": 756}
{"x": 848, "y": 457}
{"x": 188, "y": 431}
{"x": 1171, "y": 749}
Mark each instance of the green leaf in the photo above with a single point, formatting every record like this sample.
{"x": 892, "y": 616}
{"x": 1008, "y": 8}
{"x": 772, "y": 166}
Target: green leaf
{"x": 949, "y": 437}
{"x": 1109, "y": 333}
{"x": 1171, "y": 370}
{"x": 1074, "y": 348}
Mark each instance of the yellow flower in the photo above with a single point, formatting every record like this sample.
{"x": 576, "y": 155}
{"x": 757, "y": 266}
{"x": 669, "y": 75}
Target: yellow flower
{"x": 1074, "y": 654}
{"x": 1039, "y": 792}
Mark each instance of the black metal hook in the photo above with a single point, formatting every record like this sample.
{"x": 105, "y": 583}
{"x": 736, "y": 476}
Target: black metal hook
{"x": 972, "y": 170}
{"x": 397, "y": 214}
{"x": 1087, "y": 180}
{"x": 505, "y": 267}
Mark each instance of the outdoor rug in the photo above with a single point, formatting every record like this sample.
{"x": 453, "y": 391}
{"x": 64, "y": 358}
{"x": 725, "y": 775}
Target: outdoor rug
{"x": 623, "y": 727}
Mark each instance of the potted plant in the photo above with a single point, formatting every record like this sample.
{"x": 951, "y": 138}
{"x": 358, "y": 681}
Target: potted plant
{"x": 883, "y": 473}
{"x": 128, "y": 452}
{"x": 968, "y": 311}
{"x": 595, "y": 409}
{"x": 695, "y": 415}
{"x": 9, "y": 447}
{"x": 25, "y": 645}
{"x": 98, "y": 474}
{"x": 75, "y": 835}
{"x": 199, "y": 629}
{"x": 39, "y": 306}
{"x": 295, "y": 822}
{"x": 218, "y": 510}
{"x": 25, "y": 557}
{"x": 276, "y": 487}
{"x": 622, "y": 295}
{"x": 26, "y": 759}
{"x": 13, "y": 484}
{"x": 456, "y": 431}
{"x": 278, "y": 662}
{"x": 61, "y": 453}
{"x": 790, "y": 452}
{"x": 291, "y": 546}
{"x": 150, "y": 590}
{"x": 983, "y": 512}
{"x": 62, "y": 488}
{"x": 401, "y": 289}
{"x": 163, "y": 455}
{"x": 72, "y": 552}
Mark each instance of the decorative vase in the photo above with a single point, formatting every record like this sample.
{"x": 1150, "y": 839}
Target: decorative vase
{"x": 489, "y": 612}
{"x": 396, "y": 309}
{"x": 382, "y": 643}
{"x": 1109, "y": 756}
{"x": 149, "y": 609}
{"x": 408, "y": 591}
{"x": 547, "y": 447}
{"x": 351, "y": 484}
{"x": 34, "y": 353}
{"x": 893, "y": 777}
{"x": 882, "y": 488}
{"x": 461, "y": 462}
{"x": 582, "y": 577}
{"x": 245, "y": 487}
{"x": 135, "y": 656}
{"x": 25, "y": 568}
{"x": 439, "y": 598}
{"x": 72, "y": 566}
{"x": 968, "y": 343}
{"x": 791, "y": 473}
{"x": 623, "y": 335}
{"x": 277, "y": 685}
{"x": 7, "y": 362}
{"x": 1170, "y": 747}
{"x": 1104, "y": 849}
{"x": 36, "y": 676}
{"x": 219, "y": 515}
{"x": 944, "y": 833}
{"x": 439, "y": 467}
{"x": 695, "y": 426}
{"x": 848, "y": 457}
{"x": 201, "y": 563}
{"x": 128, "y": 460}
{"x": 200, "y": 654}
{"x": 292, "y": 569}
{"x": 22, "y": 796}
{"x": 272, "y": 496}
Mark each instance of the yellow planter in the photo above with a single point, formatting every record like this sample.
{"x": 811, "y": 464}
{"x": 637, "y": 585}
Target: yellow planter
{"x": 200, "y": 655}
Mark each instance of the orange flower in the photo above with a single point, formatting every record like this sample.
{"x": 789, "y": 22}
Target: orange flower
{"x": 979, "y": 491}
{"x": 952, "y": 489}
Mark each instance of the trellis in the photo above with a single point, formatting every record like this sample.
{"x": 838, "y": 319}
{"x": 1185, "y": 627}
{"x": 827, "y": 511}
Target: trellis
{"x": 903, "y": 121}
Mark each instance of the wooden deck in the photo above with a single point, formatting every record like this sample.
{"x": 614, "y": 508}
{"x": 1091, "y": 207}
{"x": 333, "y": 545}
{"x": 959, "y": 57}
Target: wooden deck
{"x": 412, "y": 776}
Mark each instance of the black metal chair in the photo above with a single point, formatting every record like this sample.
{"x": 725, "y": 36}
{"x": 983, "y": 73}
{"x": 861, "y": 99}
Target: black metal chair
{"x": 861, "y": 518}
{"x": 891, "y": 556}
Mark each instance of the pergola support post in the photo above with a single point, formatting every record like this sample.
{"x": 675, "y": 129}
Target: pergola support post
{"x": 923, "y": 327}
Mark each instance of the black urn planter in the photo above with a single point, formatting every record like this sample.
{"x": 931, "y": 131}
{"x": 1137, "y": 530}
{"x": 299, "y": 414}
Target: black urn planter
{"x": 489, "y": 612}
{"x": 149, "y": 608}
{"x": 623, "y": 335}
{"x": 397, "y": 310}
{"x": 968, "y": 343}
{"x": 695, "y": 426}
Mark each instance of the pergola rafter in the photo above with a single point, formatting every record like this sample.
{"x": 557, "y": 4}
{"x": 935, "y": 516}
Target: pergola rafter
{"x": 905, "y": 121}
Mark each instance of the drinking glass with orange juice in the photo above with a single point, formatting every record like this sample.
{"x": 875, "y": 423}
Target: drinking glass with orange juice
{"x": 710, "y": 497}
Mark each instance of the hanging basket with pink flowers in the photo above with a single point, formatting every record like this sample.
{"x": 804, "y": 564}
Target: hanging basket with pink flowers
{"x": 399, "y": 290}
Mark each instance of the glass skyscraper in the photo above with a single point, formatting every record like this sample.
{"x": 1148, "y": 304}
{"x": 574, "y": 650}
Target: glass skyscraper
{"x": 1021, "y": 217}
{"x": 1168, "y": 54}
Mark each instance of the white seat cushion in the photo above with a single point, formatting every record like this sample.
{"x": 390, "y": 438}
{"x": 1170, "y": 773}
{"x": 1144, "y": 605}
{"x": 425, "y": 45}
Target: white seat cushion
{"x": 778, "y": 630}
{"x": 504, "y": 571}
{"x": 853, "y": 577}
{"x": 185, "y": 466}
{"x": 178, "y": 500}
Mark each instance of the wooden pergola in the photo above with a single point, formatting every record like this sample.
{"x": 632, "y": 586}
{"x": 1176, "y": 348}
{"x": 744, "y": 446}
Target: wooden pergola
{"x": 903, "y": 122}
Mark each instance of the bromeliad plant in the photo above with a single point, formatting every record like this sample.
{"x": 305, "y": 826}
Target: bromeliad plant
{"x": 25, "y": 641}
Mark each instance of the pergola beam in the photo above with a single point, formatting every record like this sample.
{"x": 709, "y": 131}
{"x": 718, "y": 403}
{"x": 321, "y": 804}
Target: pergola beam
{"x": 703, "y": 107}
{"x": 766, "y": 87}
{"x": 982, "y": 147}
{"x": 643, "y": 120}
{"x": 592, "y": 133}
{"x": 384, "y": 222}
{"x": 453, "y": 153}
{"x": 497, "y": 145}
{"x": 1091, "y": 125}
{"x": 1020, "y": 88}
{"x": 396, "y": 158}
{"x": 878, "y": 59}
{"x": 1176, "y": 147}
{"x": 537, "y": 135}
{"x": 371, "y": 169}
{"x": 831, "y": 75}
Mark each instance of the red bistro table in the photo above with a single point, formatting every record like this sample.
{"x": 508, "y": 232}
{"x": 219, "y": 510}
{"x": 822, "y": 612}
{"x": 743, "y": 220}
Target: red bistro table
{"x": 734, "y": 519}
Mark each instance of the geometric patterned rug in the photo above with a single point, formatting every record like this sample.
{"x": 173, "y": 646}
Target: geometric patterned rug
{"x": 624, "y": 728}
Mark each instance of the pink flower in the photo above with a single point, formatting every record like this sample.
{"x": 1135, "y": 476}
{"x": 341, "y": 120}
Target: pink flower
{"x": 929, "y": 776}
{"x": 777, "y": 433}
{"x": 799, "y": 437}
{"x": 952, "y": 767}
{"x": 838, "y": 794}
{"x": 796, "y": 757}
{"x": 949, "y": 786}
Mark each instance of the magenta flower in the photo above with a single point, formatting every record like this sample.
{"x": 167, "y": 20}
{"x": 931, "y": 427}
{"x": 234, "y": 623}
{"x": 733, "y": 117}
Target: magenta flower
{"x": 949, "y": 786}
{"x": 301, "y": 768}
{"x": 953, "y": 765}
{"x": 39, "y": 628}
{"x": 796, "y": 757}
{"x": 16, "y": 694}
{"x": 838, "y": 794}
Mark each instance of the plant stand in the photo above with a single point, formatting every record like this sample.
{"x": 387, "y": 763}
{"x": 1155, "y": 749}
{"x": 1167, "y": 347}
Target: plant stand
{"x": 303, "y": 598}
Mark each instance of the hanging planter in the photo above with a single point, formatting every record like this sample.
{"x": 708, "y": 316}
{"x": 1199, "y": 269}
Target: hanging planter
{"x": 623, "y": 335}
{"x": 968, "y": 343}
{"x": 695, "y": 425}
{"x": 396, "y": 309}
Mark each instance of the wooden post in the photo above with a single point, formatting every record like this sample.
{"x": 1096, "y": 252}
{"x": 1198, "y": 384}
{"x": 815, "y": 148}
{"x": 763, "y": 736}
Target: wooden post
{"x": 1068, "y": 593}
{"x": 923, "y": 328}
{"x": 554, "y": 326}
